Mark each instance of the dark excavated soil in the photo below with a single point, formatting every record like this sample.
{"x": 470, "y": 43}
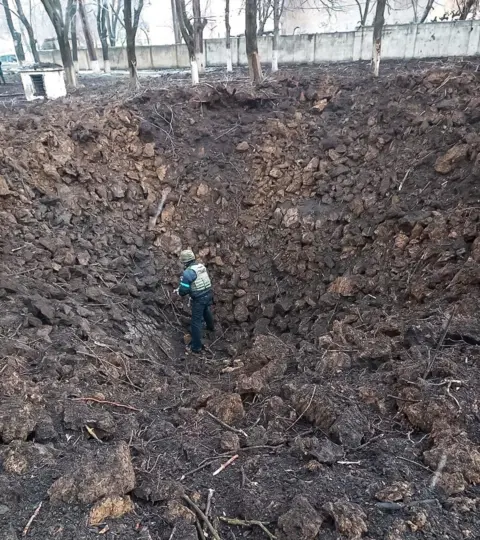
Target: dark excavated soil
{"x": 339, "y": 218}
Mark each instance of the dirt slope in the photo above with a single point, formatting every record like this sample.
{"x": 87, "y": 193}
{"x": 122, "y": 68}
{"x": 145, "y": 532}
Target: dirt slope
{"x": 339, "y": 218}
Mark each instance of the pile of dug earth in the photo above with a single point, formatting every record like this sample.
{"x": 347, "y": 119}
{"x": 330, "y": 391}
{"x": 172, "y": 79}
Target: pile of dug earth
{"x": 339, "y": 219}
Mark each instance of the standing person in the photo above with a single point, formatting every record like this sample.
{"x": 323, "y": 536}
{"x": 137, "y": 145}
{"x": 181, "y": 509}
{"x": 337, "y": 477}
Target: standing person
{"x": 1, "y": 74}
{"x": 196, "y": 282}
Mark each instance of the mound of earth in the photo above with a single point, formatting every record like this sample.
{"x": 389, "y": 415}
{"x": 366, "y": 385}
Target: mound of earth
{"x": 339, "y": 218}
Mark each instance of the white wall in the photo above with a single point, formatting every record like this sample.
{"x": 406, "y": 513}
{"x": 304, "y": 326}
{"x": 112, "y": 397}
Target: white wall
{"x": 400, "y": 42}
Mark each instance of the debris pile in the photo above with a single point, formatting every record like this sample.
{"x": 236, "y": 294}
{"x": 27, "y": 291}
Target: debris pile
{"x": 339, "y": 218}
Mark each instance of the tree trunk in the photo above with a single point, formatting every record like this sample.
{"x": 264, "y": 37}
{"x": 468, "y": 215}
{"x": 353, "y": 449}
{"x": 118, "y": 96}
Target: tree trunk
{"x": 131, "y": 56}
{"x": 466, "y": 7}
{"x": 131, "y": 26}
{"x": 113, "y": 21}
{"x": 378, "y": 23}
{"x": 276, "y": 32}
{"x": 92, "y": 53}
{"x": 251, "y": 40}
{"x": 365, "y": 13}
{"x": 73, "y": 30}
{"x": 29, "y": 29}
{"x": 198, "y": 26}
{"x": 16, "y": 36}
{"x": 228, "y": 41}
{"x": 176, "y": 28}
{"x": 67, "y": 61}
{"x": 426, "y": 11}
{"x": 102, "y": 8}
{"x": 188, "y": 32}
{"x": 54, "y": 12}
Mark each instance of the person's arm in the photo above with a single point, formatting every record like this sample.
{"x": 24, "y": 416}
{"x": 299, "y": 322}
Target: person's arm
{"x": 188, "y": 277}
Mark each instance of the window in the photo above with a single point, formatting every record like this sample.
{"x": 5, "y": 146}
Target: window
{"x": 38, "y": 85}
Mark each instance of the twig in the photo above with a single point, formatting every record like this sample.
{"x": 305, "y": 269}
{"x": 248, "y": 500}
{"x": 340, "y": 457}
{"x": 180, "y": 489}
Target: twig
{"x": 440, "y": 342}
{"x": 187, "y": 499}
{"x": 201, "y": 534}
{"x": 226, "y": 132}
{"x": 173, "y": 533}
{"x": 105, "y": 402}
{"x": 452, "y": 396}
{"x": 225, "y": 465}
{"x": 438, "y": 472}
{"x": 249, "y": 523}
{"x": 209, "y": 501}
{"x": 404, "y": 178}
{"x": 414, "y": 463}
{"x": 30, "y": 521}
{"x": 203, "y": 464}
{"x": 226, "y": 426}
{"x": 403, "y": 399}
{"x": 366, "y": 443}
{"x": 305, "y": 410}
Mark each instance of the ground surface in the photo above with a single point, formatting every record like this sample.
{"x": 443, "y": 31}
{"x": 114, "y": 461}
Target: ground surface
{"x": 339, "y": 218}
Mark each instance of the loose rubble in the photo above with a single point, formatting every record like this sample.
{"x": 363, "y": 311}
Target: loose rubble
{"x": 339, "y": 218}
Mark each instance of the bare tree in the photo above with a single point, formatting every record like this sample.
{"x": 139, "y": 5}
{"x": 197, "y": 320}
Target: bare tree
{"x": 364, "y": 10}
{"x": 192, "y": 34}
{"x": 102, "y": 14}
{"x": 131, "y": 27}
{"x": 113, "y": 19}
{"x": 251, "y": 40}
{"x": 176, "y": 28}
{"x": 264, "y": 12}
{"x": 16, "y": 36}
{"x": 465, "y": 8}
{"x": 228, "y": 41}
{"x": 378, "y": 23}
{"x": 62, "y": 29}
{"x": 29, "y": 29}
{"x": 92, "y": 53}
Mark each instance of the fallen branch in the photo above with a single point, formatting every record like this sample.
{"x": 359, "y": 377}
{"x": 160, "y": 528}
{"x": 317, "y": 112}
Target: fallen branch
{"x": 30, "y": 521}
{"x": 105, "y": 402}
{"x": 209, "y": 501}
{"x": 226, "y": 426}
{"x": 225, "y": 465}
{"x": 205, "y": 463}
{"x": 414, "y": 463}
{"x": 200, "y": 514}
{"x": 153, "y": 220}
{"x": 248, "y": 523}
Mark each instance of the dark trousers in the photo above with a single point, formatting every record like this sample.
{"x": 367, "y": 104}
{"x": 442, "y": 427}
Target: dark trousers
{"x": 2, "y": 77}
{"x": 201, "y": 312}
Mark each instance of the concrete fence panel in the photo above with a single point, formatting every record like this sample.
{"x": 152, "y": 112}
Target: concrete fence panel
{"x": 407, "y": 41}
{"x": 337, "y": 47}
{"x": 299, "y": 49}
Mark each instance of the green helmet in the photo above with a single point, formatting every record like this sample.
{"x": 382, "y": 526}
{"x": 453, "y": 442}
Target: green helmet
{"x": 187, "y": 256}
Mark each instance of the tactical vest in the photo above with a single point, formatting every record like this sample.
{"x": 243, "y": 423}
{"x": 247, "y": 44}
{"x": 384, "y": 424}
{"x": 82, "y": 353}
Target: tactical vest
{"x": 202, "y": 283}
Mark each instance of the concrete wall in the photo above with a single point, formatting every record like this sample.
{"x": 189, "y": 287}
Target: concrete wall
{"x": 400, "y": 42}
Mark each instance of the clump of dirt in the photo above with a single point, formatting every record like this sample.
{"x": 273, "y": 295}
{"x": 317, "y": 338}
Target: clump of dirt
{"x": 339, "y": 218}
